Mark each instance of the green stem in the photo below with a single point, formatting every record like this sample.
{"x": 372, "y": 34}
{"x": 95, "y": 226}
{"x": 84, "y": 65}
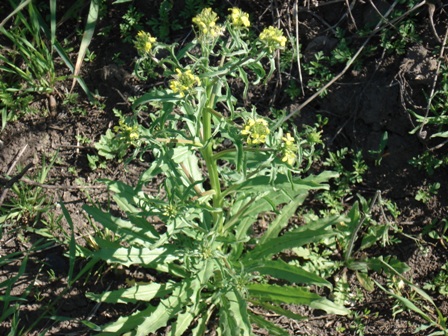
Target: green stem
{"x": 210, "y": 162}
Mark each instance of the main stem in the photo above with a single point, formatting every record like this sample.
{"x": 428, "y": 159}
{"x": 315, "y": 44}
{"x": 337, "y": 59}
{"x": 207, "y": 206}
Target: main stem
{"x": 210, "y": 161}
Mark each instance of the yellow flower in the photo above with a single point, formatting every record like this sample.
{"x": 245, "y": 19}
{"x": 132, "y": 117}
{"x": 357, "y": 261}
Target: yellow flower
{"x": 289, "y": 149}
{"x": 273, "y": 38}
{"x": 129, "y": 133}
{"x": 288, "y": 139}
{"x": 239, "y": 18}
{"x": 206, "y": 23}
{"x": 184, "y": 82}
{"x": 256, "y": 131}
{"x": 144, "y": 42}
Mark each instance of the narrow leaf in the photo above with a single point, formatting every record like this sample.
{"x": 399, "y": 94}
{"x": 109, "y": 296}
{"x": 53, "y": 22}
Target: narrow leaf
{"x": 294, "y": 295}
{"x": 92, "y": 19}
{"x": 312, "y": 232}
{"x": 234, "y": 319}
{"x": 141, "y": 292}
{"x": 281, "y": 270}
{"x": 269, "y": 326}
{"x": 72, "y": 244}
{"x": 282, "y": 220}
{"x": 145, "y": 234}
{"x": 136, "y": 255}
{"x": 156, "y": 96}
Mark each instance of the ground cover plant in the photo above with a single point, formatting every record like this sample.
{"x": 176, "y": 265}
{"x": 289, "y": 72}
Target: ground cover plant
{"x": 223, "y": 168}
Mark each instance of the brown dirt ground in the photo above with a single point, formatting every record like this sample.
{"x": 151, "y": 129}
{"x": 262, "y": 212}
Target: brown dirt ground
{"x": 361, "y": 106}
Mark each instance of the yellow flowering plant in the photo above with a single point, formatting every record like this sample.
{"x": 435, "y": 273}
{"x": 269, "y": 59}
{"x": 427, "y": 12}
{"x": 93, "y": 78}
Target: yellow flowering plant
{"x": 221, "y": 167}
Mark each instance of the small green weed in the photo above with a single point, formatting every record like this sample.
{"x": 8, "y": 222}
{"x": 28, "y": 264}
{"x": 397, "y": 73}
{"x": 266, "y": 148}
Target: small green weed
{"x": 424, "y": 195}
{"x": 440, "y": 282}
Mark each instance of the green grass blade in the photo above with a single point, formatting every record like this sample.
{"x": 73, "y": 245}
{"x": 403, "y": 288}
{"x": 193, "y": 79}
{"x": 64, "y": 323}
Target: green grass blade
{"x": 65, "y": 58}
{"x": 407, "y": 303}
{"x": 72, "y": 244}
{"x": 15, "y": 11}
{"x": 92, "y": 19}
{"x": 52, "y": 23}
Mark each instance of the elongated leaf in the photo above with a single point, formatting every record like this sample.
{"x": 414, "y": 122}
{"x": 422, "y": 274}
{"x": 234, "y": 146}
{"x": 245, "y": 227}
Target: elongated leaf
{"x": 234, "y": 319}
{"x": 281, "y": 270}
{"x": 407, "y": 303}
{"x": 168, "y": 308}
{"x": 52, "y": 22}
{"x": 282, "y": 294}
{"x": 92, "y": 19}
{"x": 156, "y": 96}
{"x": 312, "y": 232}
{"x": 72, "y": 244}
{"x": 294, "y": 295}
{"x": 269, "y": 326}
{"x": 282, "y": 220}
{"x": 143, "y": 234}
{"x": 279, "y": 310}
{"x": 185, "y": 319}
{"x": 292, "y": 187}
{"x": 136, "y": 255}
{"x": 141, "y": 292}
{"x": 61, "y": 51}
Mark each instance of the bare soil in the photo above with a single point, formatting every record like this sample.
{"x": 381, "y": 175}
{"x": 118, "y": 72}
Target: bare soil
{"x": 361, "y": 106}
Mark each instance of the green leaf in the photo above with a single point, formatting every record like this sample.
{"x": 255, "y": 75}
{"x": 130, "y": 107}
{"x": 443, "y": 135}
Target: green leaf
{"x": 366, "y": 281}
{"x": 282, "y": 220}
{"x": 234, "y": 319}
{"x": 141, "y": 292}
{"x": 281, "y": 270}
{"x": 294, "y": 295}
{"x": 279, "y": 310}
{"x": 92, "y": 19}
{"x": 138, "y": 231}
{"x": 72, "y": 244}
{"x": 128, "y": 256}
{"x": 153, "y": 318}
{"x": 283, "y": 183}
{"x": 156, "y": 96}
{"x": 269, "y": 326}
{"x": 407, "y": 303}
{"x": 312, "y": 232}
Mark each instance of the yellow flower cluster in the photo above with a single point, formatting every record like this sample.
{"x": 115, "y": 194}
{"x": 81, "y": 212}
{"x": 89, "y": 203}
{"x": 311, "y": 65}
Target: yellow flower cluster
{"x": 144, "y": 42}
{"x": 184, "y": 82}
{"x": 289, "y": 149}
{"x": 206, "y": 22}
{"x": 129, "y": 133}
{"x": 273, "y": 38}
{"x": 238, "y": 18}
{"x": 256, "y": 130}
